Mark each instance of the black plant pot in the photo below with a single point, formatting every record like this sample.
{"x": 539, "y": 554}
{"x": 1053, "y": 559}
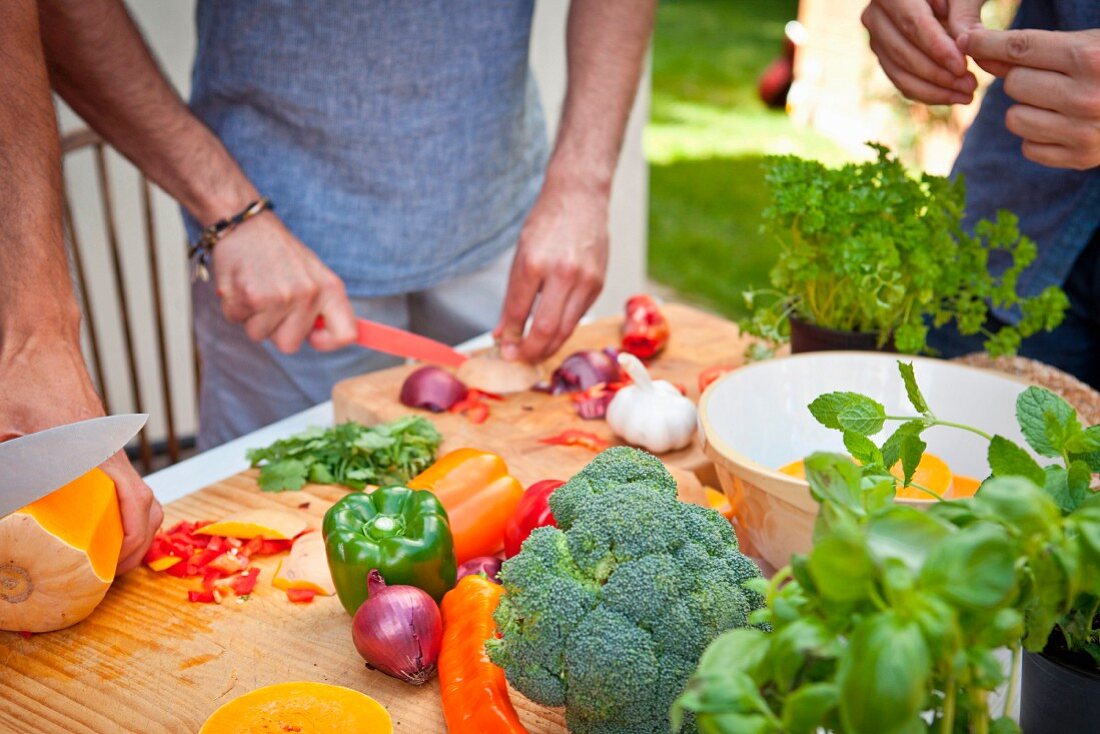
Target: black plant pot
{"x": 807, "y": 337}
{"x": 1056, "y": 698}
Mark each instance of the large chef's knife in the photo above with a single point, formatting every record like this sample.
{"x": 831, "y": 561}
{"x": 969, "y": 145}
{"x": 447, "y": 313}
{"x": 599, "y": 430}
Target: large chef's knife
{"x": 34, "y": 465}
{"x": 391, "y": 340}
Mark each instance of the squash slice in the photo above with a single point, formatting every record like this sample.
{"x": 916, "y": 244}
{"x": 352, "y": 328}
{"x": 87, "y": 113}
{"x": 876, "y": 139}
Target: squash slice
{"x": 268, "y": 523}
{"x": 306, "y": 567}
{"x": 309, "y": 708}
{"x": 58, "y": 555}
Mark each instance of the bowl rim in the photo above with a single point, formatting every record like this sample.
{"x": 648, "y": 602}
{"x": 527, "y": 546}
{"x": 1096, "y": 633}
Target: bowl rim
{"x": 714, "y": 444}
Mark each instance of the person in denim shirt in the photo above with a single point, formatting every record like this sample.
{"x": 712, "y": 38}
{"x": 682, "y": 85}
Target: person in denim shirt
{"x": 405, "y": 152}
{"x": 1034, "y": 148}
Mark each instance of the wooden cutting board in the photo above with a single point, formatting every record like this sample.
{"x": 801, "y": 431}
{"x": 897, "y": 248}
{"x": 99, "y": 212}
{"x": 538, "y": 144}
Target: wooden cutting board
{"x": 147, "y": 661}
{"x": 515, "y": 426}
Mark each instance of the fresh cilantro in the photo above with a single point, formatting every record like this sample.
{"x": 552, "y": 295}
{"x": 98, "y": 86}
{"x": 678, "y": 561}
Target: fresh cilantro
{"x": 869, "y": 248}
{"x": 350, "y": 454}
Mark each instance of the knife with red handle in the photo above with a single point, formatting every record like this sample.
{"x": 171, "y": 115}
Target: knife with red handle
{"x": 401, "y": 343}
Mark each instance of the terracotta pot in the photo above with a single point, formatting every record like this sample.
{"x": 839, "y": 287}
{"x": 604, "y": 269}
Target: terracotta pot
{"x": 1056, "y": 698}
{"x": 807, "y": 337}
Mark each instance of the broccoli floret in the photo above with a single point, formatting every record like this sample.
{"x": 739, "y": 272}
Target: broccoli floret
{"x": 610, "y": 470}
{"x": 609, "y": 613}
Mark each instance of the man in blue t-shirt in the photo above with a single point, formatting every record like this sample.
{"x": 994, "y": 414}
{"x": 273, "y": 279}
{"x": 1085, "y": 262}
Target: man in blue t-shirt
{"x": 1034, "y": 148}
{"x": 404, "y": 150}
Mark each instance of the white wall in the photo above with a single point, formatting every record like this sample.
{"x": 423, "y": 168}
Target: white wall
{"x": 169, "y": 29}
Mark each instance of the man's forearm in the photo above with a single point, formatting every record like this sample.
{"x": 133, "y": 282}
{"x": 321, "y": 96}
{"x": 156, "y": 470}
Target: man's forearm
{"x": 606, "y": 41}
{"x": 36, "y": 299}
{"x": 101, "y": 66}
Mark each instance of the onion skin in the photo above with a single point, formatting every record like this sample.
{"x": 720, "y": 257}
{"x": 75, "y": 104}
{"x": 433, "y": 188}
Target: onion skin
{"x": 489, "y": 565}
{"x": 432, "y": 388}
{"x": 581, "y": 370}
{"x": 398, "y": 630}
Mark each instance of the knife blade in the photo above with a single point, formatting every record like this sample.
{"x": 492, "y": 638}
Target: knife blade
{"x": 401, "y": 343}
{"x": 34, "y": 465}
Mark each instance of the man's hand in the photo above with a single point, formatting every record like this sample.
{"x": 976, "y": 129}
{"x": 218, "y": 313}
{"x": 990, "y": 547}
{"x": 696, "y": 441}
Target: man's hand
{"x": 1055, "y": 78}
{"x": 276, "y": 287}
{"x": 561, "y": 260}
{"x": 47, "y": 385}
{"x": 914, "y": 43}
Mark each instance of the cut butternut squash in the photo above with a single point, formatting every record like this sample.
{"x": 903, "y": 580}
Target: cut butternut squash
{"x": 268, "y": 523}
{"x": 309, "y": 708}
{"x": 306, "y": 567}
{"x": 58, "y": 555}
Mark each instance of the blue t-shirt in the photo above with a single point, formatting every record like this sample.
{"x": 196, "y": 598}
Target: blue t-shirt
{"x": 1058, "y": 208}
{"x": 402, "y": 141}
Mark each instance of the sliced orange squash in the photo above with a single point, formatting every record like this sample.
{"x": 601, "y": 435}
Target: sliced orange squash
{"x": 964, "y": 486}
{"x": 306, "y": 567}
{"x": 309, "y": 708}
{"x": 796, "y": 469}
{"x": 58, "y": 555}
{"x": 718, "y": 501}
{"x": 269, "y": 523}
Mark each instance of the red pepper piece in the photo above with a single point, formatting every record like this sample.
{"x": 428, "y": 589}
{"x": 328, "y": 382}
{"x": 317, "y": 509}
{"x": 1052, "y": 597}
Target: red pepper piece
{"x": 271, "y": 547}
{"x": 645, "y": 328}
{"x": 300, "y": 596}
{"x": 210, "y": 578}
{"x": 533, "y": 511}
{"x": 245, "y": 583}
{"x": 201, "y": 597}
{"x": 573, "y": 437}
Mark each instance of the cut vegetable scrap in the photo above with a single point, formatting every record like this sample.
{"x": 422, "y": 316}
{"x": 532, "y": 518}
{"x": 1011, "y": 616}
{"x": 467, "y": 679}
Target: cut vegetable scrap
{"x": 306, "y": 567}
{"x": 574, "y": 437}
{"x": 300, "y": 596}
{"x": 710, "y": 374}
{"x": 270, "y": 523}
{"x": 645, "y": 328}
{"x": 473, "y": 406}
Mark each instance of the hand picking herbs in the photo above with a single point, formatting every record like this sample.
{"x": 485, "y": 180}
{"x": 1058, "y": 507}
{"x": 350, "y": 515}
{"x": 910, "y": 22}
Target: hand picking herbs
{"x": 350, "y": 454}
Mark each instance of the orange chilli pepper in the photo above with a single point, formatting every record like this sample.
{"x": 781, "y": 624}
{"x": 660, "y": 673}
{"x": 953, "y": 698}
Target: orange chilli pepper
{"x": 479, "y": 495}
{"x": 475, "y": 694}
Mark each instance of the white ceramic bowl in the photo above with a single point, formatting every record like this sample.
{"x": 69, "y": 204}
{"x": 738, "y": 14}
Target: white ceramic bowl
{"x": 755, "y": 420}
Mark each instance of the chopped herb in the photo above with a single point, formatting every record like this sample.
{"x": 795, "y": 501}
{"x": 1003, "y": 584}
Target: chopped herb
{"x": 350, "y": 454}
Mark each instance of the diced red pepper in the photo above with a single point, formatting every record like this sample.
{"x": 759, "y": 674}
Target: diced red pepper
{"x": 245, "y": 583}
{"x": 533, "y": 511}
{"x": 573, "y": 437}
{"x": 210, "y": 578}
{"x": 645, "y": 328}
{"x": 271, "y": 547}
{"x": 472, "y": 406}
{"x": 179, "y": 570}
{"x": 300, "y": 596}
{"x": 201, "y": 597}
{"x": 228, "y": 563}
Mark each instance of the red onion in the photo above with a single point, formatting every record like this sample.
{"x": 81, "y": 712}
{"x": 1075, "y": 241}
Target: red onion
{"x": 398, "y": 630}
{"x": 581, "y": 370}
{"x": 432, "y": 388}
{"x": 489, "y": 565}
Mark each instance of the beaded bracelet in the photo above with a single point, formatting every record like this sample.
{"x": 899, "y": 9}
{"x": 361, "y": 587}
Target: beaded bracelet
{"x": 202, "y": 250}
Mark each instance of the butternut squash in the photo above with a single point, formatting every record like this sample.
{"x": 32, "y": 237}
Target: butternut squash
{"x": 270, "y": 523}
{"x": 306, "y": 567}
{"x": 58, "y": 555}
{"x": 310, "y": 708}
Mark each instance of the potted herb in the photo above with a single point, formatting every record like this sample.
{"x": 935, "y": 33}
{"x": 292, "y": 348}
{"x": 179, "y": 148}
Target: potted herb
{"x": 870, "y": 256}
{"x": 891, "y": 623}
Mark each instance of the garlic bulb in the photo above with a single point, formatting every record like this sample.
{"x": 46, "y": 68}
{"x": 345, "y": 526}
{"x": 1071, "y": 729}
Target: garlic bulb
{"x": 650, "y": 413}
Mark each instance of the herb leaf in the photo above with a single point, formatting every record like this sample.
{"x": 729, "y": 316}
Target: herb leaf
{"x": 849, "y": 411}
{"x": 911, "y": 389}
{"x": 1046, "y": 420}
{"x": 350, "y": 454}
{"x": 1006, "y": 459}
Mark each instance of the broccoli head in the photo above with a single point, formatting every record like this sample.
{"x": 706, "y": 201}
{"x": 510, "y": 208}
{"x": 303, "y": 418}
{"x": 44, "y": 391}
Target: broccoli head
{"x": 608, "y": 613}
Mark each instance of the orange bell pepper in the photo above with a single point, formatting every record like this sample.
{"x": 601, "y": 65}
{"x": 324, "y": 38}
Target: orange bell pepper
{"x": 474, "y": 691}
{"x": 479, "y": 495}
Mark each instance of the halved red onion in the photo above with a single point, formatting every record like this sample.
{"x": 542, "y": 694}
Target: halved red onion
{"x": 432, "y": 388}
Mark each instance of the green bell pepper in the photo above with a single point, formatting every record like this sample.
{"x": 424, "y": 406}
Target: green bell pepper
{"x": 402, "y": 532}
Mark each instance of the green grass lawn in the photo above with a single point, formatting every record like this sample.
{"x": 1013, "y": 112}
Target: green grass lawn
{"x": 706, "y": 141}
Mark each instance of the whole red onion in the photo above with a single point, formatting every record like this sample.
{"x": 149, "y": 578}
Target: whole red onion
{"x": 432, "y": 388}
{"x": 398, "y": 630}
{"x": 489, "y": 565}
{"x": 581, "y": 370}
